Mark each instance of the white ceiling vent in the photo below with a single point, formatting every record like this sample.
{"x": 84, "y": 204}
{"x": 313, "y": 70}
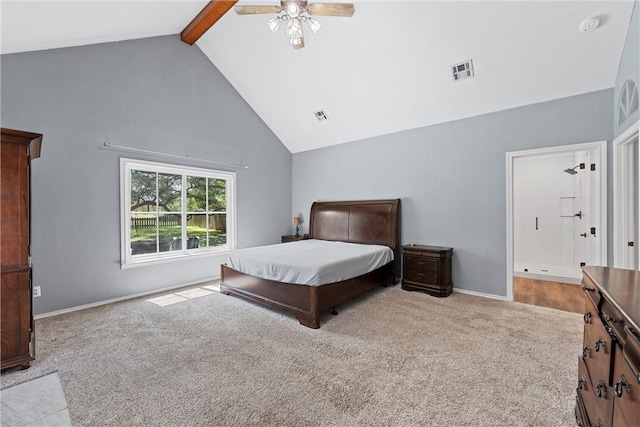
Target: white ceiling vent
{"x": 321, "y": 115}
{"x": 463, "y": 70}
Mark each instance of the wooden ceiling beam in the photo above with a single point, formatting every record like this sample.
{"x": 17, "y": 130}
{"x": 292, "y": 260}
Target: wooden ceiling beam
{"x": 209, "y": 15}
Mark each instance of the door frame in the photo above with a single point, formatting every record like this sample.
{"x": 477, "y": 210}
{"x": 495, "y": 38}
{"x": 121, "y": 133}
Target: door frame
{"x": 600, "y": 148}
{"x": 621, "y": 203}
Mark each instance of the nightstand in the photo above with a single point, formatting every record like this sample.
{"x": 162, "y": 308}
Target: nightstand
{"x": 292, "y": 238}
{"x": 427, "y": 269}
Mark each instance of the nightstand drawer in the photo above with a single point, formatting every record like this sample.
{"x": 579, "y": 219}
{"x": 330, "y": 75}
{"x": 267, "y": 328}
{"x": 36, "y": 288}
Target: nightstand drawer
{"x": 421, "y": 263}
{"x": 413, "y": 275}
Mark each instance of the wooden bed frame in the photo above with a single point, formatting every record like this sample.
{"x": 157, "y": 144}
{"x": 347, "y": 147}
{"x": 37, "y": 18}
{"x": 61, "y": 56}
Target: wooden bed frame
{"x": 368, "y": 221}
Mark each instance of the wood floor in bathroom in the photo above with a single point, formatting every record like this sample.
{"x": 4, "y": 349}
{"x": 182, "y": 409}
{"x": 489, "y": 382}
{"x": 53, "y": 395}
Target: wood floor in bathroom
{"x": 561, "y": 296}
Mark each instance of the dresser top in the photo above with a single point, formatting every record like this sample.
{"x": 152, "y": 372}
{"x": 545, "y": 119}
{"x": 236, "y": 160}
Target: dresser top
{"x": 620, "y": 287}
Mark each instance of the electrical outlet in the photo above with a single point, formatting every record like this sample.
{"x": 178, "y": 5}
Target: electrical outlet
{"x": 36, "y": 291}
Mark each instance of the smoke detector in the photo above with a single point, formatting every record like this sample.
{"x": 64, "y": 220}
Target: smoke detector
{"x": 463, "y": 70}
{"x": 589, "y": 24}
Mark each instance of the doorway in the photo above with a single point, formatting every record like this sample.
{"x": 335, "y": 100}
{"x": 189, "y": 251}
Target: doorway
{"x": 556, "y": 222}
{"x": 626, "y": 225}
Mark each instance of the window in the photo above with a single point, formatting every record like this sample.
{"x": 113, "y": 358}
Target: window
{"x": 171, "y": 212}
{"x": 628, "y": 102}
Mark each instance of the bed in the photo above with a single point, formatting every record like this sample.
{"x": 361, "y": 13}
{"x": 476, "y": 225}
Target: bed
{"x": 371, "y": 222}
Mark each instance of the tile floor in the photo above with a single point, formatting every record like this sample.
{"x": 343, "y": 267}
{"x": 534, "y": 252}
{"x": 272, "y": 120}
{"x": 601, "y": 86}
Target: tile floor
{"x": 39, "y": 402}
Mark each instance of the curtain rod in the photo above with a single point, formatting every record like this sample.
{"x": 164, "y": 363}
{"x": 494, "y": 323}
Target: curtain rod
{"x": 110, "y": 146}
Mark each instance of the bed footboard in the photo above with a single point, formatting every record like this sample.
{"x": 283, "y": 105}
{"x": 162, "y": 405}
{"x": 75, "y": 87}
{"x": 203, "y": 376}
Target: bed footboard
{"x": 305, "y": 302}
{"x": 294, "y": 299}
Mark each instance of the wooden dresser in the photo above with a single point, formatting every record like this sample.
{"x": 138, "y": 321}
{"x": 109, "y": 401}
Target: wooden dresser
{"x": 18, "y": 333}
{"x": 608, "y": 392}
{"x": 427, "y": 269}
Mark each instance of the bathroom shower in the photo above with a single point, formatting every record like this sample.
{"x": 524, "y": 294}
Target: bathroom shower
{"x": 551, "y": 211}
{"x": 573, "y": 170}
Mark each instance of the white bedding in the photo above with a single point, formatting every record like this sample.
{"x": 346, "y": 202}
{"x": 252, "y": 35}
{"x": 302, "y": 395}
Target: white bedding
{"x": 310, "y": 262}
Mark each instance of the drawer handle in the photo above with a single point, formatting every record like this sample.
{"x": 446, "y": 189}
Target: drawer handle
{"x": 587, "y": 318}
{"x": 584, "y": 288}
{"x": 421, "y": 264}
{"x": 600, "y": 423}
{"x": 601, "y": 389}
{"x": 600, "y": 343}
{"x": 609, "y": 330}
{"x": 586, "y": 351}
{"x": 610, "y": 319}
{"x": 622, "y": 385}
{"x": 420, "y": 275}
{"x": 581, "y": 383}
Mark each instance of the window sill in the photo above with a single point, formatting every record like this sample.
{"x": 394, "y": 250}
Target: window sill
{"x": 170, "y": 259}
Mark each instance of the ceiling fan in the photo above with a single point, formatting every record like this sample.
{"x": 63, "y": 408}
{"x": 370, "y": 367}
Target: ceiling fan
{"x": 294, "y": 13}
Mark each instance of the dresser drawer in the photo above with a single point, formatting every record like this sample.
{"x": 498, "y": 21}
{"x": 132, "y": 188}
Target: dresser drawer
{"x": 581, "y": 412}
{"x": 626, "y": 410}
{"x": 421, "y": 263}
{"x": 614, "y": 319}
{"x": 631, "y": 351}
{"x": 586, "y": 392}
{"x": 598, "y": 349}
{"x": 420, "y": 276}
{"x": 591, "y": 317}
{"x": 596, "y": 395}
{"x": 591, "y": 291}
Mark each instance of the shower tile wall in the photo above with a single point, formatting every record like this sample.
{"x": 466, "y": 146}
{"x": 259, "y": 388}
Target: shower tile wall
{"x": 543, "y": 191}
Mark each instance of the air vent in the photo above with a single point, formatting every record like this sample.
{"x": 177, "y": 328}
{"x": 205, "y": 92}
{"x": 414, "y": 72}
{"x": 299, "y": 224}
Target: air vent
{"x": 321, "y": 115}
{"x": 463, "y": 70}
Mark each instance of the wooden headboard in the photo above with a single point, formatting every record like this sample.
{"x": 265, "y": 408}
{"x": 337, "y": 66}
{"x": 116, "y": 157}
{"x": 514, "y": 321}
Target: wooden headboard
{"x": 365, "y": 221}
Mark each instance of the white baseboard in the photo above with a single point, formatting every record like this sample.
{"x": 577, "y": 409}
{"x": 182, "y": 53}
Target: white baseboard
{"x": 480, "y": 294}
{"x": 200, "y": 282}
{"x": 141, "y": 294}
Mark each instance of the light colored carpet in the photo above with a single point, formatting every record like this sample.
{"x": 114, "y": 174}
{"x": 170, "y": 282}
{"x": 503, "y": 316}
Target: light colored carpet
{"x": 390, "y": 358}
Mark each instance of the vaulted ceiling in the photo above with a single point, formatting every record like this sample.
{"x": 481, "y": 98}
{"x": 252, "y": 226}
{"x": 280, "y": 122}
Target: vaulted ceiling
{"x": 386, "y": 69}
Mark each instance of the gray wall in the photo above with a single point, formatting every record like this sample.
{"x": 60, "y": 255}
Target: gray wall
{"x": 451, "y": 177}
{"x": 629, "y": 68}
{"x": 156, "y": 94}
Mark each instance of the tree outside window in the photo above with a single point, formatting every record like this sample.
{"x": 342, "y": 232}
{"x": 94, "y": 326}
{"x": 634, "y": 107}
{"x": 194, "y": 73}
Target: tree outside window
{"x": 175, "y": 210}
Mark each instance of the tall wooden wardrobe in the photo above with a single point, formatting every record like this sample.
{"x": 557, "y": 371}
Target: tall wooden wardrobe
{"x": 16, "y": 311}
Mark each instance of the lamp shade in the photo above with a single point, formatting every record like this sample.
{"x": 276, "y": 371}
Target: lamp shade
{"x": 297, "y": 220}
{"x": 274, "y": 24}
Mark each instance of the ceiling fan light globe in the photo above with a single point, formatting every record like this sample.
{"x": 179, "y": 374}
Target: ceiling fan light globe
{"x": 274, "y": 24}
{"x": 293, "y": 30}
{"x": 297, "y": 43}
{"x": 314, "y": 24}
{"x": 293, "y": 10}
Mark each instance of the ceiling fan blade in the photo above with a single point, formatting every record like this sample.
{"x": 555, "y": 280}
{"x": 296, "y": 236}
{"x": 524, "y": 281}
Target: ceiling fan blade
{"x": 252, "y": 10}
{"x": 331, "y": 9}
{"x": 212, "y": 12}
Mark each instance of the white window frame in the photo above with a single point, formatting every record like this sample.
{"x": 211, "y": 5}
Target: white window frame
{"x": 126, "y": 166}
